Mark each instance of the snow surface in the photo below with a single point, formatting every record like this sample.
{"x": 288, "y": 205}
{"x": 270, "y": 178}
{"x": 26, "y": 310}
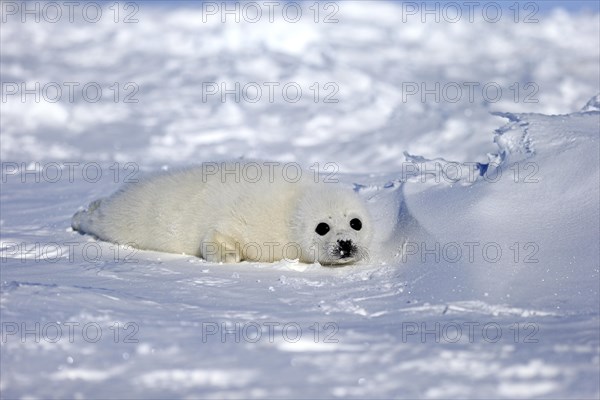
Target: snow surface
{"x": 529, "y": 317}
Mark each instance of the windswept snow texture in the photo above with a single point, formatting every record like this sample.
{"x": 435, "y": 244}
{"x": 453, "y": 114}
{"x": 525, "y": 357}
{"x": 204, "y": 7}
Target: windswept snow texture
{"x": 484, "y": 278}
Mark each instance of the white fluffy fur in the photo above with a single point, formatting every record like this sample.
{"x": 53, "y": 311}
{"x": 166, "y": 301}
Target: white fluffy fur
{"x": 229, "y": 218}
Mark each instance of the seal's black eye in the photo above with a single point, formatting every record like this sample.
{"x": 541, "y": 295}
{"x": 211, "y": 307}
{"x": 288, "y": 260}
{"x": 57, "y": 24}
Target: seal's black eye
{"x": 355, "y": 224}
{"x": 322, "y": 228}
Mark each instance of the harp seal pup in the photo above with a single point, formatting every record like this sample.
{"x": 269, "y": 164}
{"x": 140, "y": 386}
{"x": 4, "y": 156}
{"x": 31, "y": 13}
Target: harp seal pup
{"x": 234, "y": 211}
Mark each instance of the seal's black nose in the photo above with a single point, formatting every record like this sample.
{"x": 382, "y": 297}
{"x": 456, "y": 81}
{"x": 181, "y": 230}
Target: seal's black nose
{"x": 345, "y": 248}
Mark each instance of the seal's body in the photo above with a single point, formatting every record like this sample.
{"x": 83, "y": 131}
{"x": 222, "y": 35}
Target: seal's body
{"x": 230, "y": 212}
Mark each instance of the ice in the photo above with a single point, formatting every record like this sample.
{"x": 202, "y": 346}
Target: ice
{"x": 419, "y": 320}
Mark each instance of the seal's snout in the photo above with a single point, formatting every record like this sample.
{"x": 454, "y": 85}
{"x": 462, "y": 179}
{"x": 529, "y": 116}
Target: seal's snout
{"x": 346, "y": 249}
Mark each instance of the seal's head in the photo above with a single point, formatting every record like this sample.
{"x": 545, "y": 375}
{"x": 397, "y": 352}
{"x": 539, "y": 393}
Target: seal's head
{"x": 331, "y": 225}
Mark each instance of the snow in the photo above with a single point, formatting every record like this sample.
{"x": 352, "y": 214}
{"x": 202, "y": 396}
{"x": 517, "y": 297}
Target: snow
{"x": 484, "y": 276}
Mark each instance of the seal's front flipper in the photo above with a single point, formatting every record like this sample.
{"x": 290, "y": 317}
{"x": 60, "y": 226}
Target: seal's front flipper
{"x": 216, "y": 247}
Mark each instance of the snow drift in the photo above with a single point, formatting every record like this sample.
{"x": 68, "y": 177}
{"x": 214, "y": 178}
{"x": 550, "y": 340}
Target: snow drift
{"x": 486, "y": 280}
{"x": 418, "y": 321}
